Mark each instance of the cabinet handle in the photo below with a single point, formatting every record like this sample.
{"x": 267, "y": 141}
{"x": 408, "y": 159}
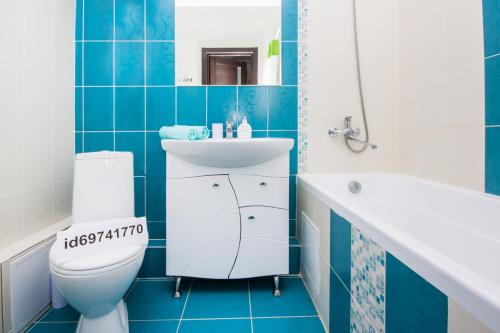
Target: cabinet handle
{"x": 251, "y": 218}
{"x": 263, "y": 184}
{"x": 215, "y": 185}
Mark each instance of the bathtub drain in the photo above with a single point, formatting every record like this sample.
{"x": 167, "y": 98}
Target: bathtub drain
{"x": 354, "y": 186}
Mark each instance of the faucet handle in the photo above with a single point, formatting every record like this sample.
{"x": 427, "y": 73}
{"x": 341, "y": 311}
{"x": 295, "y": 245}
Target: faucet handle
{"x": 348, "y": 122}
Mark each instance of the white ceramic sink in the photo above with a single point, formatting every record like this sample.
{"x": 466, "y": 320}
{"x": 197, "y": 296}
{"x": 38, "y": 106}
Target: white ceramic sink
{"x": 228, "y": 153}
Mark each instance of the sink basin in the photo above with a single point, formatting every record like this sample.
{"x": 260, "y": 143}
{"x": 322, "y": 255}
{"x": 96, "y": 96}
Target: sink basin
{"x": 228, "y": 153}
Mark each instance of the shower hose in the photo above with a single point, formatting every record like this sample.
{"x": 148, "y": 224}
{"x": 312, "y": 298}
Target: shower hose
{"x": 360, "y": 85}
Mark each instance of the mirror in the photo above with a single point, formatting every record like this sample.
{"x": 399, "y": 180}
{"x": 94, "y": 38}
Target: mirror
{"x": 228, "y": 42}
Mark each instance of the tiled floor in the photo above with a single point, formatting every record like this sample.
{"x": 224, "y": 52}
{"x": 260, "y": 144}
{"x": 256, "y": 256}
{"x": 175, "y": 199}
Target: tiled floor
{"x": 207, "y": 306}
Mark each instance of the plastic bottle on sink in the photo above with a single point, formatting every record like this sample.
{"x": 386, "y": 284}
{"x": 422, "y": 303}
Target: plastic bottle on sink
{"x": 244, "y": 130}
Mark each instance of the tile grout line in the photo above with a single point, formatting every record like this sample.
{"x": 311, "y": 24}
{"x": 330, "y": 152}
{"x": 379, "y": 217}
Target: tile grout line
{"x": 145, "y": 111}
{"x": 114, "y": 75}
{"x": 250, "y": 303}
{"x": 184, "y": 308}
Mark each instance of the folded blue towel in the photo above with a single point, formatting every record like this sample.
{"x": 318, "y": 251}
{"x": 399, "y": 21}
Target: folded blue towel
{"x": 179, "y": 132}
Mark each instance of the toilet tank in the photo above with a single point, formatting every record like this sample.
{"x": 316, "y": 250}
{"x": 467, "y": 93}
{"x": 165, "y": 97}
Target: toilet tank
{"x": 103, "y": 186}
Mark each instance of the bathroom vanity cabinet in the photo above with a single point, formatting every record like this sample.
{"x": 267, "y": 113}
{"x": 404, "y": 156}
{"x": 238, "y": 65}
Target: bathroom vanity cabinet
{"x": 227, "y": 222}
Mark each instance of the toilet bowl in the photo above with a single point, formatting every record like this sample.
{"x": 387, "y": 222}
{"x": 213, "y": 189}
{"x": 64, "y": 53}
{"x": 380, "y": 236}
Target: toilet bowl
{"x": 95, "y": 284}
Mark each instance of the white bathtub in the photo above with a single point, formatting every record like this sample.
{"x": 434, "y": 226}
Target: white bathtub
{"x": 448, "y": 235}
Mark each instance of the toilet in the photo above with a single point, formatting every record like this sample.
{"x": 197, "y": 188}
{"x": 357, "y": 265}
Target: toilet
{"x": 95, "y": 284}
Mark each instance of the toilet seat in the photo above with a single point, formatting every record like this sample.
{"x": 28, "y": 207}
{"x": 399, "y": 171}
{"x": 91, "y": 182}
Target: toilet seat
{"x": 96, "y": 264}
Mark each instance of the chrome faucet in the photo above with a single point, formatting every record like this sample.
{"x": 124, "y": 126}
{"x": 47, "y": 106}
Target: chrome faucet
{"x": 229, "y": 129}
{"x": 350, "y": 133}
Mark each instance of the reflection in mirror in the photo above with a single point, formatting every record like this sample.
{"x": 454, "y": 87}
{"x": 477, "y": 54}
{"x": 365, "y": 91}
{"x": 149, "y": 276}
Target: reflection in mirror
{"x": 228, "y": 42}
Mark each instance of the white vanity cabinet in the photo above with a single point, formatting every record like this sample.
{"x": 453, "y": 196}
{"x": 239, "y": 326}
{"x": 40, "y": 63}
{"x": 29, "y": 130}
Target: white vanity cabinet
{"x": 227, "y": 222}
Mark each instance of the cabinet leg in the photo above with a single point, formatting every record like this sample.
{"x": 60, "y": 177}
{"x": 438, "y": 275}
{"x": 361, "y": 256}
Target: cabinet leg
{"x": 177, "y": 293}
{"x": 276, "y": 291}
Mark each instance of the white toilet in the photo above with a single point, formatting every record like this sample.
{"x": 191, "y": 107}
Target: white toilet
{"x": 95, "y": 284}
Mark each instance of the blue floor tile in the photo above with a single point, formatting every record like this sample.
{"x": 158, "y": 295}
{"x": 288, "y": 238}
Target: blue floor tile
{"x": 215, "y": 326}
{"x": 295, "y": 300}
{"x": 150, "y": 300}
{"x": 288, "y": 325}
{"x": 64, "y": 314}
{"x": 169, "y": 326}
{"x": 54, "y": 328}
{"x": 218, "y": 299}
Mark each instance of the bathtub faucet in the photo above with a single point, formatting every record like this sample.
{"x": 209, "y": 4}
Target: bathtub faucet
{"x": 350, "y": 133}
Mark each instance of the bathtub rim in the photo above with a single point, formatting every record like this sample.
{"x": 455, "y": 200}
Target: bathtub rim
{"x": 479, "y": 296}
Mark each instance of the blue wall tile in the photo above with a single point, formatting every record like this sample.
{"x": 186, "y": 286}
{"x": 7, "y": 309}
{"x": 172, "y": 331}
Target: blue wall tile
{"x": 160, "y": 19}
{"x": 98, "y": 141}
{"x": 340, "y": 248}
{"x": 156, "y": 179}
{"x": 293, "y": 152}
{"x": 294, "y": 260}
{"x": 98, "y": 63}
{"x": 78, "y": 19}
{"x": 292, "y": 198}
{"x": 129, "y": 19}
{"x": 133, "y": 142}
{"x": 221, "y": 105}
{"x": 154, "y": 263}
{"x": 98, "y": 20}
{"x": 156, "y": 198}
{"x": 157, "y": 229}
{"x": 340, "y": 306}
{"x": 289, "y": 20}
{"x": 78, "y": 143}
{"x": 98, "y": 109}
{"x": 129, "y": 63}
{"x": 160, "y": 105}
{"x": 78, "y": 63}
{"x": 491, "y": 19}
{"x": 129, "y": 109}
{"x": 160, "y": 63}
{"x": 292, "y": 228}
{"x": 492, "y": 76}
{"x": 139, "y": 197}
{"x": 289, "y": 60}
{"x": 493, "y": 160}
{"x": 78, "y": 109}
{"x": 252, "y": 103}
{"x": 191, "y": 109}
{"x": 412, "y": 304}
{"x": 282, "y": 108}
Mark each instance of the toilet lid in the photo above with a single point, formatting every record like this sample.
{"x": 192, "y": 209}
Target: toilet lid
{"x": 107, "y": 259}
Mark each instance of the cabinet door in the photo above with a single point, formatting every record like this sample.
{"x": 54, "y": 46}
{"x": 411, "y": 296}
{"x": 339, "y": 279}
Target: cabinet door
{"x": 203, "y": 227}
{"x": 264, "y": 243}
{"x": 261, "y": 191}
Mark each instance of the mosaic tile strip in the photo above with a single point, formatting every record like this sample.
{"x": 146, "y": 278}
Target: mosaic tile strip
{"x": 367, "y": 283}
{"x": 302, "y": 85}
{"x": 359, "y": 320}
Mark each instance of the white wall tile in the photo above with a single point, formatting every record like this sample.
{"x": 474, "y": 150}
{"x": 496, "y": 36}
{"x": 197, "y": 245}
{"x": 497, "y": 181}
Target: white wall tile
{"x": 37, "y": 158}
{"x": 445, "y": 155}
{"x": 62, "y": 166}
{"x": 63, "y": 199}
{"x": 11, "y": 34}
{"x": 36, "y": 97}
{"x": 37, "y": 208}
{"x": 11, "y": 162}
{"x": 460, "y": 321}
{"x": 11, "y": 220}
{"x": 464, "y": 32}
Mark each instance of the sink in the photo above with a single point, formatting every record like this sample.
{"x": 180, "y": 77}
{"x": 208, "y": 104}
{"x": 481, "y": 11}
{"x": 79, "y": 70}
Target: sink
{"x": 228, "y": 153}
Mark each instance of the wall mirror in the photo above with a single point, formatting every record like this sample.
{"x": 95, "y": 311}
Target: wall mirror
{"x": 228, "y": 42}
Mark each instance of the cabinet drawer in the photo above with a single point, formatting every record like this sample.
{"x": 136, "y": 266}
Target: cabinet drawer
{"x": 264, "y": 223}
{"x": 261, "y": 191}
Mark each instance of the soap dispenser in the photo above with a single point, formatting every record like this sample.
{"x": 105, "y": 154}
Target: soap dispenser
{"x": 244, "y": 130}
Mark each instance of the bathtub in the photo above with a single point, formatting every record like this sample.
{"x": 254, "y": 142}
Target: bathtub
{"x": 448, "y": 235}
